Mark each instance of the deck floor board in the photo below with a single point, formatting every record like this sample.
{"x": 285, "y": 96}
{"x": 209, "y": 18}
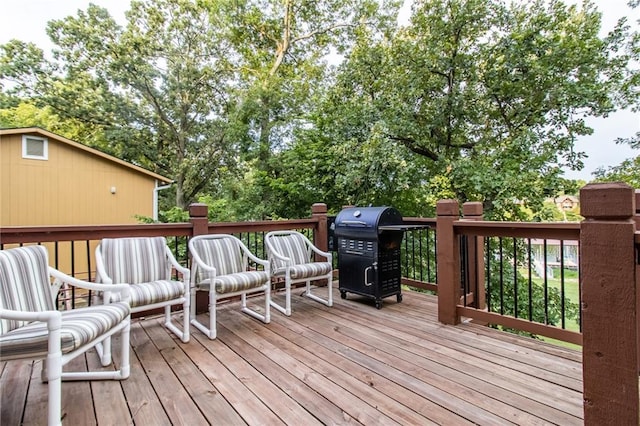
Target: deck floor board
{"x": 348, "y": 364}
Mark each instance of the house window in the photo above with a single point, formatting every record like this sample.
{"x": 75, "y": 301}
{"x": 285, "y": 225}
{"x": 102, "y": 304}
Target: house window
{"x": 34, "y": 147}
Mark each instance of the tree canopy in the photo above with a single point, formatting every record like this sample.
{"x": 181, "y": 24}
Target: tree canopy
{"x": 240, "y": 103}
{"x": 491, "y": 97}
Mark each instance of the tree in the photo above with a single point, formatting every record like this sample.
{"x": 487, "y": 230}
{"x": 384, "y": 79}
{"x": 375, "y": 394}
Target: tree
{"x": 490, "y": 96}
{"x": 161, "y": 88}
{"x": 628, "y": 171}
{"x": 282, "y": 53}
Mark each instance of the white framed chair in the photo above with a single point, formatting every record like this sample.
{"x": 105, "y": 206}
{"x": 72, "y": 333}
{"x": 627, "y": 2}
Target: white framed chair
{"x": 290, "y": 257}
{"x": 146, "y": 264}
{"x": 32, "y": 328}
{"x": 221, "y": 265}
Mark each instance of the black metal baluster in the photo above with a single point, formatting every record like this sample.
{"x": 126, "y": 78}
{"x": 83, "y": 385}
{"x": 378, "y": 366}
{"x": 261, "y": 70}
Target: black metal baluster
{"x": 515, "y": 278}
{"x": 530, "y": 282}
{"x": 562, "y": 304}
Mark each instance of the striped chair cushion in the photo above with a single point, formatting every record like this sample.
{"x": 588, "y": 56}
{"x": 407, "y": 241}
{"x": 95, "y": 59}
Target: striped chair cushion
{"x": 309, "y": 270}
{"x": 135, "y": 260}
{"x": 240, "y": 281}
{"x": 224, "y": 254}
{"x": 294, "y": 246}
{"x": 79, "y": 326}
{"x": 24, "y": 283}
{"x": 152, "y": 292}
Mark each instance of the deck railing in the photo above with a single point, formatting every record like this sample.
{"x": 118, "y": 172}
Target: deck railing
{"x": 418, "y": 255}
{"x": 609, "y": 273}
{"x": 494, "y": 262}
{"x": 72, "y": 248}
{"x": 480, "y": 270}
{"x": 532, "y": 277}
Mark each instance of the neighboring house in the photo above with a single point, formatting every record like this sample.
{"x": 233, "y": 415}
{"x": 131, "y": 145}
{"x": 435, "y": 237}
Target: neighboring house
{"x": 551, "y": 254}
{"x": 46, "y": 179}
{"x": 567, "y": 202}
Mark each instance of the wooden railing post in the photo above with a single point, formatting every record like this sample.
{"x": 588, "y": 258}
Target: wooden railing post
{"x": 448, "y": 253}
{"x": 637, "y": 216}
{"x": 637, "y": 219}
{"x": 320, "y": 236}
{"x": 609, "y": 324}
{"x": 472, "y": 210}
{"x": 199, "y": 217}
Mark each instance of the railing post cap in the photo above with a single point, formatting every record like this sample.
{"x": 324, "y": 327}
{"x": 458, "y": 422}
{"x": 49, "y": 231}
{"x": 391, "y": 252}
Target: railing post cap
{"x": 318, "y": 208}
{"x": 198, "y": 210}
{"x": 614, "y": 200}
{"x": 447, "y": 207}
{"x": 472, "y": 208}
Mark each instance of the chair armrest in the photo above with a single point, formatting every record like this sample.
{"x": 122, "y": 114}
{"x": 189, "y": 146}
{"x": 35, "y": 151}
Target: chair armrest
{"x": 61, "y": 277}
{"x": 186, "y": 274}
{"x": 210, "y": 271}
{"x": 279, "y": 256}
{"x": 254, "y": 258}
{"x": 42, "y": 316}
{"x": 326, "y": 254}
{"x": 101, "y": 271}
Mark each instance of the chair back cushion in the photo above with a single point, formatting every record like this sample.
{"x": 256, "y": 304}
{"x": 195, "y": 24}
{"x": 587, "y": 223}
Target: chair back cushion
{"x": 294, "y": 246}
{"x": 24, "y": 283}
{"x": 135, "y": 260}
{"x": 222, "y": 253}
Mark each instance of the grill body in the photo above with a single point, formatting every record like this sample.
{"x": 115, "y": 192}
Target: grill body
{"x": 368, "y": 245}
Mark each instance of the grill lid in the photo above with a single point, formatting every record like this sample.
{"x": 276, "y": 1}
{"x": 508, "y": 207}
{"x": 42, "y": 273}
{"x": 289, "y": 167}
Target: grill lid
{"x": 359, "y": 222}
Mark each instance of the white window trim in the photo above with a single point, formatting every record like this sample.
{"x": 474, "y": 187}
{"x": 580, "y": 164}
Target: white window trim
{"x": 45, "y": 150}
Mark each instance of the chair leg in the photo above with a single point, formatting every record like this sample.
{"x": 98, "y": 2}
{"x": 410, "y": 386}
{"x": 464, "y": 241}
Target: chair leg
{"x": 125, "y": 365}
{"x": 210, "y": 330}
{"x": 103, "y": 350}
{"x": 184, "y": 333}
{"x": 288, "y": 297}
{"x": 54, "y": 379}
{"x": 266, "y": 317}
{"x": 213, "y": 332}
{"x": 287, "y": 305}
{"x": 192, "y": 308}
{"x": 186, "y": 311}
{"x": 329, "y": 300}
{"x": 267, "y": 304}
{"x": 52, "y": 371}
{"x": 330, "y": 288}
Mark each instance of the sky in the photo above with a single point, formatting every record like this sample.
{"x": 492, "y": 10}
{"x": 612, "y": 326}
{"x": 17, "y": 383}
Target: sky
{"x": 26, "y": 20}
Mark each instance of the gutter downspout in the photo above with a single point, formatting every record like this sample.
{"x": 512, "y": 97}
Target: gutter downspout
{"x": 155, "y": 198}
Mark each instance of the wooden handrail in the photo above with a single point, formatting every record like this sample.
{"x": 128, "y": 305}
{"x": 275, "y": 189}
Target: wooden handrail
{"x": 549, "y": 230}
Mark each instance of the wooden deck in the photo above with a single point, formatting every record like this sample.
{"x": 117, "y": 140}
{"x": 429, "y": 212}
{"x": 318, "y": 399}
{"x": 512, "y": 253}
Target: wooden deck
{"x": 346, "y": 364}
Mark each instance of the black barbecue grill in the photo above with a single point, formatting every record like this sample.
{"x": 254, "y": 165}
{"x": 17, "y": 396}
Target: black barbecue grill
{"x": 368, "y": 243}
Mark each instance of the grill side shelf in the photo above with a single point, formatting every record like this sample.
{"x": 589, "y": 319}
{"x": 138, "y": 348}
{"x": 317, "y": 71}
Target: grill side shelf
{"x": 403, "y": 227}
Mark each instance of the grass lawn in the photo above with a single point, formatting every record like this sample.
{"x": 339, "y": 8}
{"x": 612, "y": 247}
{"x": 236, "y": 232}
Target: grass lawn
{"x": 571, "y": 293}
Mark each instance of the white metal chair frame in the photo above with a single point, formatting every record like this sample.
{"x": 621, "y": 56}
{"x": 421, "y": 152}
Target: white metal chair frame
{"x": 184, "y": 300}
{"x": 55, "y": 360}
{"x": 209, "y": 284}
{"x": 286, "y": 272}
